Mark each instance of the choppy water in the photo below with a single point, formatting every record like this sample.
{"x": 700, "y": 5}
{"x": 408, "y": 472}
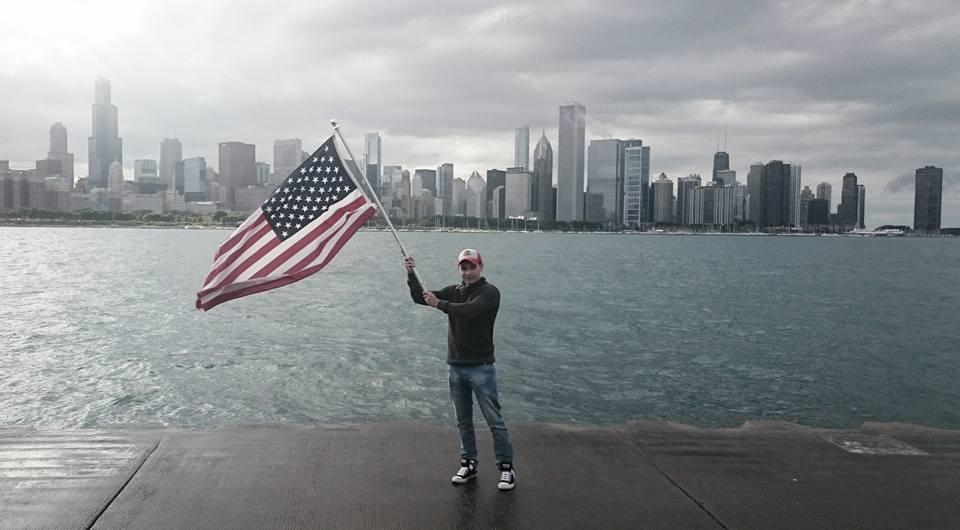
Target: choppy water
{"x": 97, "y": 327}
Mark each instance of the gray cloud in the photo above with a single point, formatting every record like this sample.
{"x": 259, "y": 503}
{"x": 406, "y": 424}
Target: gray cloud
{"x": 837, "y": 86}
{"x": 906, "y": 183}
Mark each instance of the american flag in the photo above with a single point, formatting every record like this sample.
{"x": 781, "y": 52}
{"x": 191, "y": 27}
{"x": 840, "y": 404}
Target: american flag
{"x": 294, "y": 234}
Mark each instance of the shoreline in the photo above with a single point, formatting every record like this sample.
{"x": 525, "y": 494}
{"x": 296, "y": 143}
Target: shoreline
{"x": 188, "y": 226}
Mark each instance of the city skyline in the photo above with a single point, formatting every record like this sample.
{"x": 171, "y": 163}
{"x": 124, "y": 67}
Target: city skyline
{"x": 828, "y": 93}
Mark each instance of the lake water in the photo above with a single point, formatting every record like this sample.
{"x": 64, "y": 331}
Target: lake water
{"x": 97, "y": 328}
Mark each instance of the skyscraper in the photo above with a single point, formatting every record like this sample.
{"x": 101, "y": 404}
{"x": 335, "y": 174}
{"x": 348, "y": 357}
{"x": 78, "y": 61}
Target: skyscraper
{"x": 570, "y": 162}
{"x": 428, "y": 180}
{"x": 459, "y": 196}
{"x": 775, "y": 195}
{"x": 521, "y": 147}
{"x": 496, "y": 178}
{"x": 445, "y": 187}
{"x": 105, "y": 147}
{"x": 605, "y": 178}
{"x": 636, "y": 176}
{"x": 476, "y": 196}
{"x": 755, "y": 192}
{"x": 849, "y": 210}
{"x": 171, "y": 152}
{"x": 543, "y": 175}
{"x": 794, "y": 211}
{"x": 238, "y": 167}
{"x": 519, "y": 192}
{"x": 685, "y": 187}
{"x": 806, "y": 195}
{"x": 287, "y": 156}
{"x": 58, "y": 151}
{"x": 824, "y": 191}
{"x": 372, "y": 154}
{"x": 928, "y": 199}
{"x": 663, "y": 200}
{"x": 194, "y": 179}
{"x": 861, "y": 205}
{"x": 721, "y": 162}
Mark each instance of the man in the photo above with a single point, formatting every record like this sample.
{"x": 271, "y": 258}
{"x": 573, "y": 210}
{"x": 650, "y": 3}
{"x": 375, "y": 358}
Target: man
{"x": 471, "y": 309}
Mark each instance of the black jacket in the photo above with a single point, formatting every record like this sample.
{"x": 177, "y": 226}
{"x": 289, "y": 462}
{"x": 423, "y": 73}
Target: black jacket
{"x": 471, "y": 311}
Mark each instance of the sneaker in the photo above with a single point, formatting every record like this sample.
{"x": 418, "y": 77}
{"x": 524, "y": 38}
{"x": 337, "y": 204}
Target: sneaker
{"x": 467, "y": 471}
{"x": 507, "y": 477}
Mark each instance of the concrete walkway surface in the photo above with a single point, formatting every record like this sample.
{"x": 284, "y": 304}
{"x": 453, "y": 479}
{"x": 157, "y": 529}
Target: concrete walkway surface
{"x": 641, "y": 475}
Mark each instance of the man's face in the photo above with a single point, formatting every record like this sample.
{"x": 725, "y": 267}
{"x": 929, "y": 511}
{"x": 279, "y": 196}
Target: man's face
{"x": 469, "y": 272}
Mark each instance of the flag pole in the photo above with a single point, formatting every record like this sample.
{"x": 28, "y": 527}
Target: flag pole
{"x": 373, "y": 193}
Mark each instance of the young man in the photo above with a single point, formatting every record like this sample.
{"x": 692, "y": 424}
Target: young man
{"x": 471, "y": 309}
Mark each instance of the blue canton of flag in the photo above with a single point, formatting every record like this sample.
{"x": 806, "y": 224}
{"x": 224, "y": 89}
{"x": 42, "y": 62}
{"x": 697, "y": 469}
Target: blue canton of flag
{"x": 308, "y": 192}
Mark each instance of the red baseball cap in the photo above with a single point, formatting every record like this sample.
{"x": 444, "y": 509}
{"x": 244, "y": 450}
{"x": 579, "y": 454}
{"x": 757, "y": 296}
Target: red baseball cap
{"x": 471, "y": 255}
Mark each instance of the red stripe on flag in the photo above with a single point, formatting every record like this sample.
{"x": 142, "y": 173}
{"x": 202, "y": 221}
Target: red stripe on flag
{"x": 287, "y": 279}
{"x": 264, "y": 230}
{"x": 238, "y": 234}
{"x": 245, "y": 264}
{"x": 314, "y": 233}
{"x": 352, "y": 227}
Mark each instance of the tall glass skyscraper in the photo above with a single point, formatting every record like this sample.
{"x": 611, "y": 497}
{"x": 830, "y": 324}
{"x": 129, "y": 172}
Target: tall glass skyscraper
{"x": 849, "y": 197}
{"x": 928, "y": 199}
{"x": 543, "y": 174}
{"x": 721, "y": 162}
{"x": 636, "y": 174}
{"x": 445, "y": 187}
{"x": 105, "y": 147}
{"x": 605, "y": 178}
{"x": 570, "y": 164}
{"x": 776, "y": 195}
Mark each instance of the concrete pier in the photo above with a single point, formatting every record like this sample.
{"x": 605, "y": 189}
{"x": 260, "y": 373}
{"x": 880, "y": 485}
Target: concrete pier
{"x": 641, "y": 475}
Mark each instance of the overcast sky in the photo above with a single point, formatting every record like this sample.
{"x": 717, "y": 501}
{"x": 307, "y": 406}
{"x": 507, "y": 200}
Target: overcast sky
{"x": 871, "y": 87}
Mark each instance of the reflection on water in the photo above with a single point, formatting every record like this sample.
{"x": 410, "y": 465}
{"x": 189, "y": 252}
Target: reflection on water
{"x": 99, "y": 329}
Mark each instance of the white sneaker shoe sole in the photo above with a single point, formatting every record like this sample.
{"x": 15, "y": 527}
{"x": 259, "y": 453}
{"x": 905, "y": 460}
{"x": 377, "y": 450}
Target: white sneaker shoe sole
{"x": 457, "y": 479}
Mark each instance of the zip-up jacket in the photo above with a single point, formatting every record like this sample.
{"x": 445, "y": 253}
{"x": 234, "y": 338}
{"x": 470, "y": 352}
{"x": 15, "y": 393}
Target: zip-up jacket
{"x": 471, "y": 311}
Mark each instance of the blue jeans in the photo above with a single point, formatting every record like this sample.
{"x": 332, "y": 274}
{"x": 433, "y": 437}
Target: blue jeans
{"x": 465, "y": 382}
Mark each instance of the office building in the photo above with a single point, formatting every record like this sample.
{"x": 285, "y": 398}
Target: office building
{"x": 928, "y": 199}
{"x": 521, "y": 147}
{"x": 663, "y": 200}
{"x": 171, "y": 153}
{"x": 849, "y": 211}
{"x": 570, "y": 163}
{"x": 543, "y": 176}
{"x": 58, "y": 151}
{"x": 105, "y": 146}
{"x": 288, "y": 154}
{"x": 445, "y": 187}
{"x": 605, "y": 167}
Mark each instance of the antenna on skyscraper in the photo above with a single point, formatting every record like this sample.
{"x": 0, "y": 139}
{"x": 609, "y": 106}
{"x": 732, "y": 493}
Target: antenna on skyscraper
{"x": 724, "y": 141}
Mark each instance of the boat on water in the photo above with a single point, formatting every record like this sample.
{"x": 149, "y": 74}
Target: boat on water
{"x": 886, "y": 232}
